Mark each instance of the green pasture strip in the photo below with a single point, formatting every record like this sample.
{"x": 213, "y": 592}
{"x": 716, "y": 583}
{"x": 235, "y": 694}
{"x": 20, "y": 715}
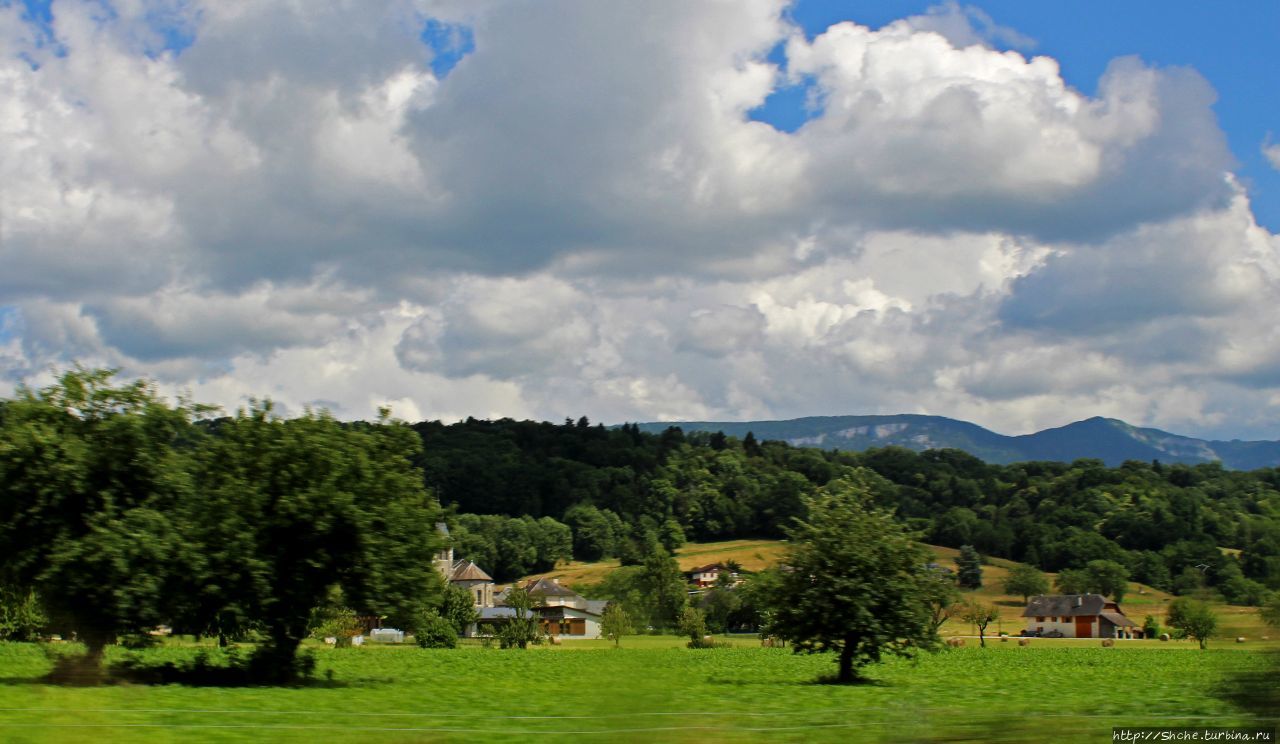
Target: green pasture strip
{"x": 643, "y": 693}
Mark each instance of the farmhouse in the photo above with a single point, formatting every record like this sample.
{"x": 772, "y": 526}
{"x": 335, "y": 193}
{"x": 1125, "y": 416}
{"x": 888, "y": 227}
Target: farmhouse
{"x": 1078, "y": 616}
{"x": 706, "y": 576}
{"x": 563, "y": 612}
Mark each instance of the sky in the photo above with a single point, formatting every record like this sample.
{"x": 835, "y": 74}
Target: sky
{"x": 1017, "y": 214}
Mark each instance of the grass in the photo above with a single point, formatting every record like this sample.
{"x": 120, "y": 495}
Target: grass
{"x": 650, "y": 689}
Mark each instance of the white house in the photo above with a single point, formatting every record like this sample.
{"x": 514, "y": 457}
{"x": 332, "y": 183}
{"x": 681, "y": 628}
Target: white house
{"x": 563, "y": 612}
{"x": 1078, "y": 616}
{"x": 708, "y": 575}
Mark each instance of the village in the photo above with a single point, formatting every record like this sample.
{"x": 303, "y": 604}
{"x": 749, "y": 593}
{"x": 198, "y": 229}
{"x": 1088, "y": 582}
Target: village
{"x": 565, "y": 615}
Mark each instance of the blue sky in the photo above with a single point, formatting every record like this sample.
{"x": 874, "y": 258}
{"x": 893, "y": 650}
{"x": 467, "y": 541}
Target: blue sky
{"x": 631, "y": 211}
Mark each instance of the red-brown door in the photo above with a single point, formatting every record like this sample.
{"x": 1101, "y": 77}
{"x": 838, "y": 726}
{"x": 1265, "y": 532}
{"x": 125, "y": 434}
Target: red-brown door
{"x": 1084, "y": 627}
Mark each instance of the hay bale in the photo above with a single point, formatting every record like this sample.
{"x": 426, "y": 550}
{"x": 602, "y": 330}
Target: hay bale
{"x": 1004, "y": 637}
{"x": 766, "y": 643}
{"x": 1024, "y": 641}
{"x": 955, "y": 642}
{"x": 1108, "y": 642}
{"x": 1239, "y": 639}
{"x": 1164, "y": 636}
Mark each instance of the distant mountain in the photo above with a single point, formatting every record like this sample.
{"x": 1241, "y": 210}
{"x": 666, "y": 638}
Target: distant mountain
{"x": 1110, "y": 440}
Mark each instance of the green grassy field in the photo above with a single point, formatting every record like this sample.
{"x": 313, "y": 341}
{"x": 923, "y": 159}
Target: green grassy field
{"x": 652, "y": 689}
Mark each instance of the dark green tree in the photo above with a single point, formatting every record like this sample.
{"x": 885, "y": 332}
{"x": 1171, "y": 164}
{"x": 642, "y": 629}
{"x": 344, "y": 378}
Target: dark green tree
{"x": 1025, "y": 581}
{"x": 593, "y": 535}
{"x": 663, "y": 588}
{"x": 1098, "y": 577}
{"x": 1108, "y": 578}
{"x": 305, "y": 504}
{"x": 91, "y": 474}
{"x": 851, "y": 583}
{"x": 969, "y": 568}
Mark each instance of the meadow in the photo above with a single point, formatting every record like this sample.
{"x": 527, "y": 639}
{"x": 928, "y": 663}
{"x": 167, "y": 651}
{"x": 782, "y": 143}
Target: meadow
{"x": 651, "y": 689}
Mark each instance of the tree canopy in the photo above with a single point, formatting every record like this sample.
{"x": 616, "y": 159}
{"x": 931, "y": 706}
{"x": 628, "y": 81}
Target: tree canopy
{"x": 122, "y": 514}
{"x": 851, "y": 583}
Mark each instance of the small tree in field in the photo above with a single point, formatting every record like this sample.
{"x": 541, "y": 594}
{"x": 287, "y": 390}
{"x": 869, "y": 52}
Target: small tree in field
{"x": 850, "y": 583}
{"x": 981, "y": 615}
{"x": 693, "y": 623}
{"x": 615, "y": 623}
{"x": 1025, "y": 581}
{"x": 1194, "y": 618}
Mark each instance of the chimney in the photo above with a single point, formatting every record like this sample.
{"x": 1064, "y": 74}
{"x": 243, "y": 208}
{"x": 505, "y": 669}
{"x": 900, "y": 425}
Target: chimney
{"x": 1079, "y": 600}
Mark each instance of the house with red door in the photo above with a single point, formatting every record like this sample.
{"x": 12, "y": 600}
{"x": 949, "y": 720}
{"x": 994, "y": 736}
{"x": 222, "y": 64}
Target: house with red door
{"x": 1078, "y": 616}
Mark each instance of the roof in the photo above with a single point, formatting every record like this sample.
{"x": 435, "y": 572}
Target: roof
{"x": 495, "y": 613}
{"x": 548, "y": 588}
{"x": 556, "y": 611}
{"x": 1065, "y": 605}
{"x": 468, "y": 571}
{"x": 1117, "y": 618}
{"x": 708, "y": 567}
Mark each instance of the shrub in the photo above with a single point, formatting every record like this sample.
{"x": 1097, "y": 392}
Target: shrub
{"x": 435, "y": 631}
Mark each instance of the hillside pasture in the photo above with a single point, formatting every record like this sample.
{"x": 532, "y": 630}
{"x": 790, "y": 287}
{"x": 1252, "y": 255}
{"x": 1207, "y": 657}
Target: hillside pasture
{"x": 755, "y": 555}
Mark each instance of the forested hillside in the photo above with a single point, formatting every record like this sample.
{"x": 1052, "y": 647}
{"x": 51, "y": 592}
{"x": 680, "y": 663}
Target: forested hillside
{"x": 623, "y": 492}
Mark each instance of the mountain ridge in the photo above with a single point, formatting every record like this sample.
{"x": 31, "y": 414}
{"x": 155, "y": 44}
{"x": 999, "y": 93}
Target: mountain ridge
{"x": 1111, "y": 440}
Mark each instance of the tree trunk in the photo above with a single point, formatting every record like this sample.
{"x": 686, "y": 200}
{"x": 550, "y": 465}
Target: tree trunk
{"x": 87, "y": 669}
{"x": 982, "y": 636}
{"x": 274, "y": 661}
{"x": 846, "y": 675}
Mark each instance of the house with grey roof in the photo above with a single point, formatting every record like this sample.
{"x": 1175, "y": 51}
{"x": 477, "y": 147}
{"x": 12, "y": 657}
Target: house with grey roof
{"x": 563, "y": 612}
{"x": 1078, "y": 616}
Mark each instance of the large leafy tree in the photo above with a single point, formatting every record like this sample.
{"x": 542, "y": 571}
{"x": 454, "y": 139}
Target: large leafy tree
{"x": 1025, "y": 581}
{"x": 291, "y": 507}
{"x": 851, "y": 583}
{"x": 92, "y": 473}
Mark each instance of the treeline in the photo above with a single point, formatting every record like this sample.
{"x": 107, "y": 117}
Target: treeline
{"x": 624, "y": 493}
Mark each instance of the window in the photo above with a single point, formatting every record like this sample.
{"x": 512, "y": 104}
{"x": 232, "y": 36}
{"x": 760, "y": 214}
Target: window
{"x": 1039, "y": 618}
